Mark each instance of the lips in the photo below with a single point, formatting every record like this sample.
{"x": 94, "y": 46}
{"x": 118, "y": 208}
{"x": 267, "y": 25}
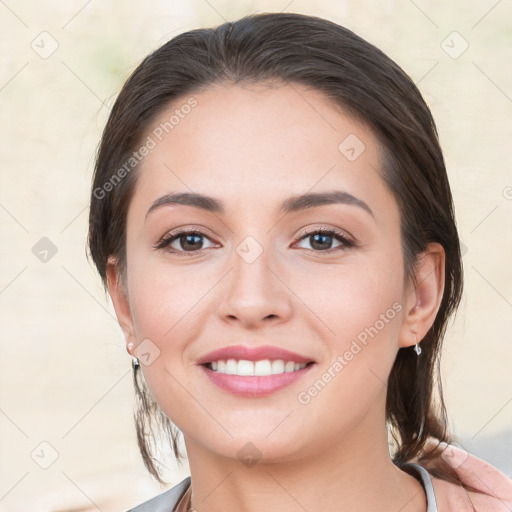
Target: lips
{"x": 242, "y": 352}
{"x": 254, "y": 371}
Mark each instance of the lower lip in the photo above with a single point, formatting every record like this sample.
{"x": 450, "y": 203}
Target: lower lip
{"x": 254, "y": 386}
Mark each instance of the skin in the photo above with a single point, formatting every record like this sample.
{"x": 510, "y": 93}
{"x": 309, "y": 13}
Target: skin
{"x": 252, "y": 147}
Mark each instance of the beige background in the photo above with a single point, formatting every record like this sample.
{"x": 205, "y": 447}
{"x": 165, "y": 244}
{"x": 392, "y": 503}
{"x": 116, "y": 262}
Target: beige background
{"x": 64, "y": 374}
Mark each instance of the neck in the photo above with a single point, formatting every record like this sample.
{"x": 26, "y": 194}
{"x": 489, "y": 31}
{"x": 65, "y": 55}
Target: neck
{"x": 356, "y": 474}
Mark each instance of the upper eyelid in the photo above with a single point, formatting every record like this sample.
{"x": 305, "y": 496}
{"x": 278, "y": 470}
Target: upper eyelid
{"x": 185, "y": 231}
{"x": 326, "y": 229}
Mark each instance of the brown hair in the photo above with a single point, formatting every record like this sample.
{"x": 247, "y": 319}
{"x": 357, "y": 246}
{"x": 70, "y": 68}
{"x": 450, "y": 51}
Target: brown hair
{"x": 360, "y": 78}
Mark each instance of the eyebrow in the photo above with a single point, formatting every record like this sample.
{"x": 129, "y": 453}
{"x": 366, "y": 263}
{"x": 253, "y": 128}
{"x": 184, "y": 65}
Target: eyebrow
{"x": 292, "y": 204}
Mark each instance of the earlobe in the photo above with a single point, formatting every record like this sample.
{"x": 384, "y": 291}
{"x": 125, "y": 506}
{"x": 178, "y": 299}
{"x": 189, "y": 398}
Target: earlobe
{"x": 121, "y": 302}
{"x": 424, "y": 295}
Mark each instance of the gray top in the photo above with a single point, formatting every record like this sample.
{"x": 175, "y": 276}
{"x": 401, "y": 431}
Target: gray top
{"x": 167, "y": 501}
{"x": 427, "y": 486}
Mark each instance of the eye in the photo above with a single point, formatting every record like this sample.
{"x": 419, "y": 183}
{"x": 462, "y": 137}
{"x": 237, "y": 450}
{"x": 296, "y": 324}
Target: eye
{"x": 182, "y": 242}
{"x": 322, "y": 240}
{"x": 190, "y": 242}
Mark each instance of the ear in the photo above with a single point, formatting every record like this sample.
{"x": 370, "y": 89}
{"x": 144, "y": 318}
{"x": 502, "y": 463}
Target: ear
{"x": 119, "y": 295}
{"x": 423, "y": 295}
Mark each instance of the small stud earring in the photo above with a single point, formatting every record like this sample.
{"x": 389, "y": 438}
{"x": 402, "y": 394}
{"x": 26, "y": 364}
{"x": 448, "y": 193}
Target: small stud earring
{"x": 135, "y": 361}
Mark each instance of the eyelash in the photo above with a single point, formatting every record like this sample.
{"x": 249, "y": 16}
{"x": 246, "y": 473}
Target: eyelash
{"x": 341, "y": 236}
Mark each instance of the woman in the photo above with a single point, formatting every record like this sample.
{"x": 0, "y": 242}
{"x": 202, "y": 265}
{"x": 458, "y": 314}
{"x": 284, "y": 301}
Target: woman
{"x": 272, "y": 218}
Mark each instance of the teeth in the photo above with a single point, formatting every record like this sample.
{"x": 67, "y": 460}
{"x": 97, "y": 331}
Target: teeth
{"x": 245, "y": 368}
{"x": 231, "y": 367}
{"x": 277, "y": 366}
{"x": 261, "y": 368}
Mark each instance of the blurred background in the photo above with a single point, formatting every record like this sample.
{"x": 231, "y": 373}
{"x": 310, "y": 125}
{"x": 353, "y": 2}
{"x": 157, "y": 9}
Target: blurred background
{"x": 67, "y": 441}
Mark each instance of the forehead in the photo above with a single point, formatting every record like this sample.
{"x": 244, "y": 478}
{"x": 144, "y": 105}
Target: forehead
{"x": 257, "y": 141}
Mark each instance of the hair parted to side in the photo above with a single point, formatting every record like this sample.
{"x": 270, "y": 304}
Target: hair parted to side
{"x": 281, "y": 48}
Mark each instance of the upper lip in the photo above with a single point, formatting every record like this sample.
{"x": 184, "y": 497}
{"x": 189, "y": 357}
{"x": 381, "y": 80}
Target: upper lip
{"x": 244, "y": 352}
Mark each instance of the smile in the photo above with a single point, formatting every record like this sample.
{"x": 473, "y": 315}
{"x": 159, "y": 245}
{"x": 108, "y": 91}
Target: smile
{"x": 254, "y": 370}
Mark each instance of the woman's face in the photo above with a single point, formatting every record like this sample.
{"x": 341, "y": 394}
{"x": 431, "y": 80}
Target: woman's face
{"x": 258, "y": 277}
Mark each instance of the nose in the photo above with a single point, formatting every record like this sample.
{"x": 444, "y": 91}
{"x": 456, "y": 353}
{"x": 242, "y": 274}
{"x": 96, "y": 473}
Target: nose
{"x": 254, "y": 293}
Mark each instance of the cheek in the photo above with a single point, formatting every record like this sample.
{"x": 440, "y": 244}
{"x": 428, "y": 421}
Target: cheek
{"x": 361, "y": 310}
{"x": 349, "y": 300}
{"x": 165, "y": 314}
{"x": 165, "y": 298}
{"x": 168, "y": 308}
